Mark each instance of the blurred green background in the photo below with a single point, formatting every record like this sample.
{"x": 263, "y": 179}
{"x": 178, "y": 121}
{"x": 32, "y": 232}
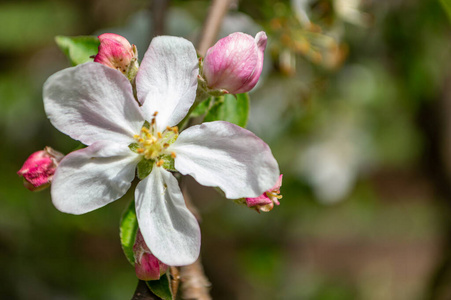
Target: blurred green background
{"x": 355, "y": 102}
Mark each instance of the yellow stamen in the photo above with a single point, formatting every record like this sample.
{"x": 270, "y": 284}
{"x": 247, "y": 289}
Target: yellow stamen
{"x": 173, "y": 155}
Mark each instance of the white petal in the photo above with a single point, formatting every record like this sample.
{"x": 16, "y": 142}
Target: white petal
{"x": 92, "y": 102}
{"x": 92, "y": 177}
{"x": 167, "y": 80}
{"x": 227, "y": 156}
{"x": 169, "y": 229}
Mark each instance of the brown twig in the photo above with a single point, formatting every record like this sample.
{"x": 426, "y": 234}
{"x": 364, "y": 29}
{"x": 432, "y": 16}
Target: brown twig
{"x": 159, "y": 9}
{"x": 195, "y": 284}
{"x": 216, "y": 13}
{"x": 175, "y": 280}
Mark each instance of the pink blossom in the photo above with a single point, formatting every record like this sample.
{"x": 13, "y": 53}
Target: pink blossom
{"x": 116, "y": 52}
{"x": 96, "y": 105}
{"x": 235, "y": 62}
{"x": 147, "y": 266}
{"x": 39, "y": 168}
{"x": 265, "y": 202}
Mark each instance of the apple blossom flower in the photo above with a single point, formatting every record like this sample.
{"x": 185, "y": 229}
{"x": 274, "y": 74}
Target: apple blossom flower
{"x": 117, "y": 53}
{"x": 265, "y": 202}
{"x": 39, "y": 168}
{"x": 147, "y": 266}
{"x": 235, "y": 62}
{"x": 95, "y": 105}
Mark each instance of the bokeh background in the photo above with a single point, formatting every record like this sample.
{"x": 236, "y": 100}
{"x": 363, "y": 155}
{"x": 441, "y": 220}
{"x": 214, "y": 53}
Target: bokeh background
{"x": 355, "y": 102}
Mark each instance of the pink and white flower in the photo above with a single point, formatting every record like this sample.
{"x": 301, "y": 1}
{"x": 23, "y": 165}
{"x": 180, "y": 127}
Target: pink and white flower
{"x": 95, "y": 105}
{"x": 235, "y": 62}
{"x": 265, "y": 202}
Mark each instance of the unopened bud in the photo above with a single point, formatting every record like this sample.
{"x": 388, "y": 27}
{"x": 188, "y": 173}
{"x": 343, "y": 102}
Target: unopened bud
{"x": 265, "y": 202}
{"x": 147, "y": 266}
{"x": 38, "y": 169}
{"x": 117, "y": 53}
{"x": 235, "y": 62}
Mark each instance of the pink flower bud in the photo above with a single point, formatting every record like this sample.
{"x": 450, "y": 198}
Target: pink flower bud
{"x": 265, "y": 202}
{"x": 39, "y": 168}
{"x": 147, "y": 266}
{"x": 116, "y": 52}
{"x": 235, "y": 62}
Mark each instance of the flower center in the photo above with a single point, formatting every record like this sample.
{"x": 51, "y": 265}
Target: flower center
{"x": 274, "y": 196}
{"x": 153, "y": 144}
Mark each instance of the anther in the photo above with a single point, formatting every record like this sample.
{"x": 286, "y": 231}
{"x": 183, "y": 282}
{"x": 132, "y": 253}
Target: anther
{"x": 160, "y": 136}
{"x": 160, "y": 163}
{"x": 173, "y": 155}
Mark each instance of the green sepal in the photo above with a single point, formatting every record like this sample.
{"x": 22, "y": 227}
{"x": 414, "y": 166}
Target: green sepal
{"x": 168, "y": 163}
{"x": 146, "y": 124}
{"x": 79, "y": 146}
{"x": 144, "y": 168}
{"x": 161, "y": 287}
{"x": 230, "y": 108}
{"x": 78, "y": 49}
{"x": 127, "y": 231}
{"x": 134, "y": 147}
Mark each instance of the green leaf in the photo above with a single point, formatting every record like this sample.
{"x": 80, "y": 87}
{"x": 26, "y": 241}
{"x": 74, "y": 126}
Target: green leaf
{"x": 202, "y": 108}
{"x": 230, "y": 109}
{"x": 144, "y": 168}
{"x": 447, "y": 7}
{"x": 161, "y": 288}
{"x": 128, "y": 230}
{"x": 78, "y": 48}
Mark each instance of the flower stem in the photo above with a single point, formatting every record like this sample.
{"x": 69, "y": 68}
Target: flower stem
{"x": 218, "y": 10}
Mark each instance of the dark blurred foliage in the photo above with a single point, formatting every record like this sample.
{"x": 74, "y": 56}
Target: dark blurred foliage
{"x": 355, "y": 104}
